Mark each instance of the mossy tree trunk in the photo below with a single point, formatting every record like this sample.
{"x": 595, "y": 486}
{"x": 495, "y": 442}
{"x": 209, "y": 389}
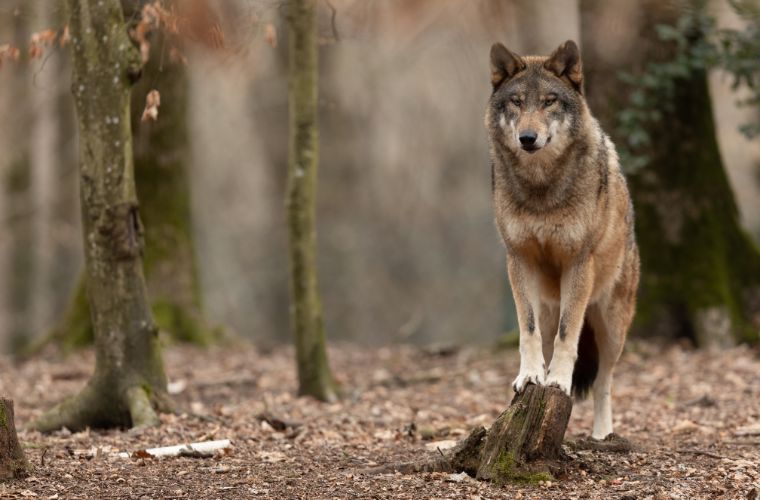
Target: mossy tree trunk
{"x": 314, "y": 375}
{"x": 129, "y": 384}
{"x": 162, "y": 166}
{"x": 700, "y": 270}
{"x": 13, "y": 464}
{"x": 162, "y": 169}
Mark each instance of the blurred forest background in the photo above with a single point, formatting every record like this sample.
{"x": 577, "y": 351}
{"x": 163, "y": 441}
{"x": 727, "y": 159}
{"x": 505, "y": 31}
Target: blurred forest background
{"x": 406, "y": 242}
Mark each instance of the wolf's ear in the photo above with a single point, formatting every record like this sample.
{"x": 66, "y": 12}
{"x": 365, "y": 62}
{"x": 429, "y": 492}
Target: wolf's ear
{"x": 504, "y": 64}
{"x": 565, "y": 62}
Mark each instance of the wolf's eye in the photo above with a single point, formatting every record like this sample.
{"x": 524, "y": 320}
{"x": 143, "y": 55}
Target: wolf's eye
{"x": 516, "y": 101}
{"x": 549, "y": 101}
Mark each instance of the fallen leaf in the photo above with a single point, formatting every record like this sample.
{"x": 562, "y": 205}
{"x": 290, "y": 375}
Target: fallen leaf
{"x": 270, "y": 35}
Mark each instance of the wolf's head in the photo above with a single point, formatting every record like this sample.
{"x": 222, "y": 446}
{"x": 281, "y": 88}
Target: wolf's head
{"x": 537, "y": 102}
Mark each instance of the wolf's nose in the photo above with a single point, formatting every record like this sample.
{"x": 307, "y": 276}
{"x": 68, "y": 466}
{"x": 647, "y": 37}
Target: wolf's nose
{"x": 528, "y": 138}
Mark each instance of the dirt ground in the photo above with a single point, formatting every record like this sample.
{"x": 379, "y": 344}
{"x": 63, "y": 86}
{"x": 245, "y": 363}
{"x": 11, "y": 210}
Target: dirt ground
{"x": 693, "y": 417}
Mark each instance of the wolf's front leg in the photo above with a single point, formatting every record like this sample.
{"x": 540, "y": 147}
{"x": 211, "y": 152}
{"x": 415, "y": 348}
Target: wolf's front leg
{"x": 576, "y": 287}
{"x": 527, "y": 302}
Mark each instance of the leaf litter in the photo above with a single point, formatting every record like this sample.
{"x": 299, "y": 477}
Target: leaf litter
{"x": 691, "y": 416}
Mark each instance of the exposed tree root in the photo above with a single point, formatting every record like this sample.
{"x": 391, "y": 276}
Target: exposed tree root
{"x": 465, "y": 456}
{"x": 98, "y": 406}
{"x": 612, "y": 443}
{"x": 140, "y": 408}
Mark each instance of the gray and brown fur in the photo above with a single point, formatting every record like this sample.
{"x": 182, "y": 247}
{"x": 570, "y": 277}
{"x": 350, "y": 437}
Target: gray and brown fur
{"x": 564, "y": 212}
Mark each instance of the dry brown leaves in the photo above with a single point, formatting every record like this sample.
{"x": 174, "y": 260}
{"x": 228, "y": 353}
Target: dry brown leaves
{"x": 152, "y": 17}
{"x": 191, "y": 19}
{"x": 152, "y": 102}
{"x": 401, "y": 403}
{"x": 38, "y": 43}
{"x": 270, "y": 35}
{"x": 8, "y": 53}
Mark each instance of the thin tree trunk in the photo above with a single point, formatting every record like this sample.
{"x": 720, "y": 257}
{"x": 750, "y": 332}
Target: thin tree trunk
{"x": 162, "y": 166}
{"x": 17, "y": 200}
{"x": 314, "y": 376}
{"x": 13, "y": 464}
{"x": 699, "y": 268}
{"x": 129, "y": 384}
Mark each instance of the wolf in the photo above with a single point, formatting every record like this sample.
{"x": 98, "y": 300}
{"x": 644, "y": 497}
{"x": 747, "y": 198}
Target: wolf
{"x": 565, "y": 215}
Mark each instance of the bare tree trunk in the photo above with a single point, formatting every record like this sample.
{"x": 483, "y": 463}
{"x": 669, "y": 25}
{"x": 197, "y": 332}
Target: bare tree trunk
{"x": 13, "y": 464}
{"x": 162, "y": 166}
{"x": 129, "y": 384}
{"x": 161, "y": 163}
{"x": 314, "y": 376}
{"x": 700, "y": 270}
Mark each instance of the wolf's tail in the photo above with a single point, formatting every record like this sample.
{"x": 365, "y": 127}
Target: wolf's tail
{"x": 587, "y": 363}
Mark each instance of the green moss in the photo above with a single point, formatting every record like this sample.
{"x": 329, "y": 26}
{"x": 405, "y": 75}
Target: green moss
{"x": 181, "y": 324}
{"x": 148, "y": 389}
{"x": 694, "y": 254}
{"x": 507, "y": 470}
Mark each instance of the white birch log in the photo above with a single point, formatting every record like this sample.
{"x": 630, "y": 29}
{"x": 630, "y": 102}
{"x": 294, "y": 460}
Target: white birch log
{"x": 202, "y": 449}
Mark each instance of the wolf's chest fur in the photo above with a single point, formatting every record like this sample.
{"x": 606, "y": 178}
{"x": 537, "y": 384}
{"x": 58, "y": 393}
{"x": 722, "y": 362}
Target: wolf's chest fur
{"x": 549, "y": 243}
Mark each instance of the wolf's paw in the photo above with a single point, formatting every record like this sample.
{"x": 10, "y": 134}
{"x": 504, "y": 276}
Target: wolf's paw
{"x": 560, "y": 372}
{"x": 524, "y": 379}
{"x": 564, "y": 386}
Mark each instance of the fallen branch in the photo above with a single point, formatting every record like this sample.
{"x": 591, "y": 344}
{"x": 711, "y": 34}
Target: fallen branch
{"x": 465, "y": 457}
{"x": 203, "y": 449}
{"x": 612, "y": 443}
{"x": 705, "y": 453}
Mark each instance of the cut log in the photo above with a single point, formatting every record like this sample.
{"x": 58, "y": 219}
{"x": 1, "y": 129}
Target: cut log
{"x": 526, "y": 440}
{"x": 13, "y": 464}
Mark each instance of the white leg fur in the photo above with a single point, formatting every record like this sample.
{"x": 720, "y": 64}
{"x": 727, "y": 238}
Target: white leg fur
{"x": 603, "y": 321}
{"x": 528, "y": 305}
{"x": 562, "y": 365}
{"x": 576, "y": 289}
{"x": 602, "y": 404}
{"x": 531, "y": 360}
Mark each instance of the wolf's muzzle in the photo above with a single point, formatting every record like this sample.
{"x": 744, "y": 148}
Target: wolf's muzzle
{"x": 528, "y": 140}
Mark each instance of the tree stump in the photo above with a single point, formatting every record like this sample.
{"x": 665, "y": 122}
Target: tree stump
{"x": 13, "y": 464}
{"x": 524, "y": 445}
{"x": 526, "y": 439}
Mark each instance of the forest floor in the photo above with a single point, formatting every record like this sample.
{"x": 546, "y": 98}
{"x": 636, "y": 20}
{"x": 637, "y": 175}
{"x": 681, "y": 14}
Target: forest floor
{"x": 692, "y": 416}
